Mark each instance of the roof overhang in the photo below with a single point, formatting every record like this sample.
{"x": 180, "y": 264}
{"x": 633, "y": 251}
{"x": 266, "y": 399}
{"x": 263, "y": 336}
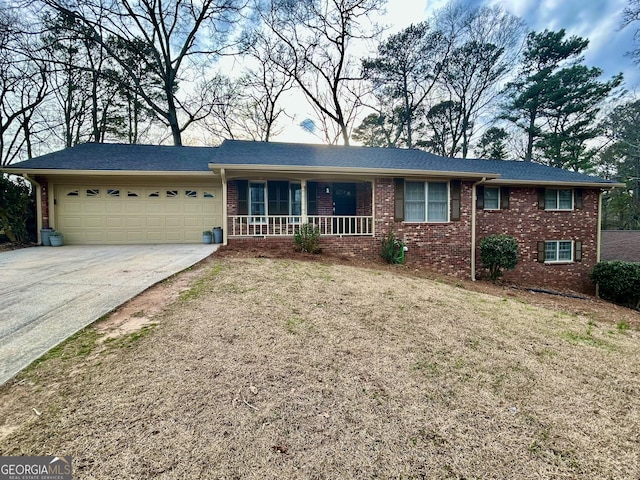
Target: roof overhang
{"x": 534, "y": 183}
{"x": 236, "y": 170}
{"x": 104, "y": 173}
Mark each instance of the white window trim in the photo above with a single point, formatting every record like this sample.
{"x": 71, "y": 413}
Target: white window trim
{"x": 557, "y": 242}
{"x": 558, "y": 190}
{"x": 485, "y": 198}
{"x": 426, "y": 201}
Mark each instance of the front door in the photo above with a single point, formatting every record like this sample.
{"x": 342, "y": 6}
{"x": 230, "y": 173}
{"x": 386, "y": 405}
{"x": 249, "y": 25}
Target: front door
{"x": 344, "y": 199}
{"x": 344, "y": 204}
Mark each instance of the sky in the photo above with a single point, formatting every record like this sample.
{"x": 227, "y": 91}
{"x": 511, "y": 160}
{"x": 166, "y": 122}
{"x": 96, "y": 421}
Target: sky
{"x": 597, "y": 20}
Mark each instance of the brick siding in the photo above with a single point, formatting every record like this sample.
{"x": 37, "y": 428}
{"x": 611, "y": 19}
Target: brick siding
{"x": 445, "y": 247}
{"x": 44, "y": 192}
{"x": 623, "y": 245}
{"x": 528, "y": 225}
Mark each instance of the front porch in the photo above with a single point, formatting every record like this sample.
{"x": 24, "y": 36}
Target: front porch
{"x": 277, "y": 208}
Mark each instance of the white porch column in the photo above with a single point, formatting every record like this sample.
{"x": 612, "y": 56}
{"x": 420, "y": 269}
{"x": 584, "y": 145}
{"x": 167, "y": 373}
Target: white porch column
{"x": 303, "y": 202}
{"x": 225, "y": 220}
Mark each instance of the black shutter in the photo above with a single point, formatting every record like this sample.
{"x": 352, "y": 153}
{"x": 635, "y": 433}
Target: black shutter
{"x": 577, "y": 254}
{"x": 541, "y": 252}
{"x": 243, "y": 196}
{"x": 456, "y": 194}
{"x": 312, "y": 198}
{"x": 278, "y": 193}
{"x": 577, "y": 194}
{"x": 541, "y": 192}
{"x": 480, "y": 197}
{"x": 504, "y": 198}
{"x": 398, "y": 215}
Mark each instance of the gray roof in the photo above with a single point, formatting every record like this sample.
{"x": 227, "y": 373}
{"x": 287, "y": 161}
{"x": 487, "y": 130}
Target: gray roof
{"x": 240, "y": 152}
{"x": 119, "y": 157}
{"x": 160, "y": 158}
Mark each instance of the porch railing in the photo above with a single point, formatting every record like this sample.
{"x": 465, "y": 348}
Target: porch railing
{"x": 277, "y": 225}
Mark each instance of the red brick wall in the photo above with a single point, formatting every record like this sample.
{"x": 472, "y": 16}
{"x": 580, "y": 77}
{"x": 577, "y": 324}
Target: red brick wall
{"x": 325, "y": 200}
{"x": 528, "y": 224}
{"x": 446, "y": 247}
{"x": 364, "y": 200}
{"x": 443, "y": 247}
{"x": 44, "y": 192}
{"x": 360, "y": 247}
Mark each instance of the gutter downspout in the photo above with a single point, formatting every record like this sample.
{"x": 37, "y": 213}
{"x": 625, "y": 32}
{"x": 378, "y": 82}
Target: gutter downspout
{"x": 225, "y": 222}
{"x": 599, "y": 234}
{"x": 38, "y": 188}
{"x": 599, "y": 237}
{"x": 473, "y": 227}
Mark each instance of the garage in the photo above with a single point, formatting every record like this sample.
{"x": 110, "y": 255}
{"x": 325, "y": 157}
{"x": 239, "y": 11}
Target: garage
{"x": 115, "y": 212}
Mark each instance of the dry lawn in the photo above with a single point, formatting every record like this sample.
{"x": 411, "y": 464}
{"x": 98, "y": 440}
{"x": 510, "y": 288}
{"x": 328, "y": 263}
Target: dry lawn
{"x": 281, "y": 369}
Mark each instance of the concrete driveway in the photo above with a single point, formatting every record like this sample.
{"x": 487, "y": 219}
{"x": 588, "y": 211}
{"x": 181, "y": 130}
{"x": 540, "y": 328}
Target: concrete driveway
{"x": 49, "y": 293}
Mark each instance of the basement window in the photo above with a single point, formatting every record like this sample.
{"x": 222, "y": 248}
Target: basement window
{"x": 558, "y": 251}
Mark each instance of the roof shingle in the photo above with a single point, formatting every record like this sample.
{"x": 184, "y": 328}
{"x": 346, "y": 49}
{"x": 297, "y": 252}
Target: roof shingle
{"x": 161, "y": 158}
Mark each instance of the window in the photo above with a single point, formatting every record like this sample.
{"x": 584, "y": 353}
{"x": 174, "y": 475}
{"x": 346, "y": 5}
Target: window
{"x": 414, "y": 202}
{"x": 154, "y": 194}
{"x": 113, "y": 192}
{"x": 273, "y": 198}
{"x": 172, "y": 193}
{"x": 295, "y": 202}
{"x": 73, "y": 193}
{"x": 93, "y": 192}
{"x": 555, "y": 199}
{"x": 257, "y": 204}
{"x": 558, "y": 251}
{"x": 492, "y": 198}
{"x": 426, "y": 201}
{"x": 131, "y": 193}
{"x": 208, "y": 195}
{"x": 191, "y": 194}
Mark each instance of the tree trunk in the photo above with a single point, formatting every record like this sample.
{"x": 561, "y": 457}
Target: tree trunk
{"x": 528, "y": 156}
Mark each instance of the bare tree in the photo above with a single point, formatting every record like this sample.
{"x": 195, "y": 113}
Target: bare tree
{"x": 489, "y": 41}
{"x": 23, "y": 87}
{"x": 180, "y": 34}
{"x": 266, "y": 84}
{"x": 316, "y": 37}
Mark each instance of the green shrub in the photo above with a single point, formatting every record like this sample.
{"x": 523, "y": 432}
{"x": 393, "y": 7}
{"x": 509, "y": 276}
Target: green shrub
{"x": 618, "y": 282}
{"x": 498, "y": 253}
{"x": 307, "y": 238}
{"x": 392, "y": 250}
{"x": 15, "y": 206}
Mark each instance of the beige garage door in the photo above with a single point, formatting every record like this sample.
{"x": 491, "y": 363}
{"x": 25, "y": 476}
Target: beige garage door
{"x": 121, "y": 214}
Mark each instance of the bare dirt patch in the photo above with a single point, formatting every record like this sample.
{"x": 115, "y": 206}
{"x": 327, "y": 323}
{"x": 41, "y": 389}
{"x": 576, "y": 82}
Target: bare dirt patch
{"x": 278, "y": 368}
